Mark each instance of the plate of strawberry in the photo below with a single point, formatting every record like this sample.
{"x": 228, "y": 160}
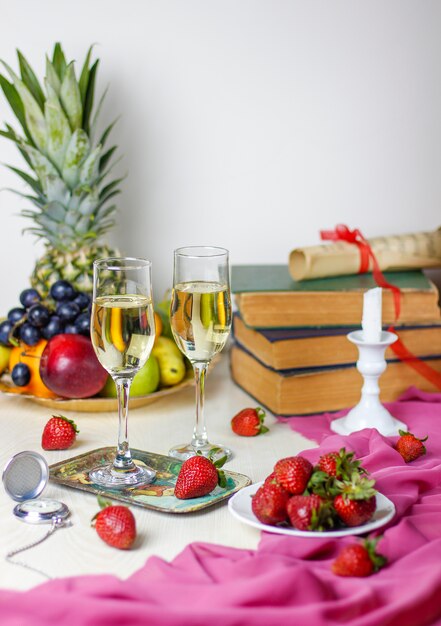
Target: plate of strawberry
{"x": 336, "y": 497}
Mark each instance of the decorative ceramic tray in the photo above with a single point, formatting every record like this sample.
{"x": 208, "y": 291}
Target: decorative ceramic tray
{"x": 158, "y": 495}
{"x": 97, "y": 404}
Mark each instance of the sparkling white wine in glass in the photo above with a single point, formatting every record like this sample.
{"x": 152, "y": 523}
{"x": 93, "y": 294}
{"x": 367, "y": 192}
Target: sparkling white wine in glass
{"x": 200, "y": 318}
{"x": 122, "y": 333}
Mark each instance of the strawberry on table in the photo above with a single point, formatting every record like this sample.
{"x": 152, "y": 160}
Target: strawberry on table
{"x": 59, "y": 433}
{"x": 249, "y": 422}
{"x": 358, "y": 559}
{"x": 198, "y": 477}
{"x": 356, "y": 503}
{"x": 293, "y": 473}
{"x": 269, "y": 503}
{"x": 116, "y": 525}
{"x": 409, "y": 446}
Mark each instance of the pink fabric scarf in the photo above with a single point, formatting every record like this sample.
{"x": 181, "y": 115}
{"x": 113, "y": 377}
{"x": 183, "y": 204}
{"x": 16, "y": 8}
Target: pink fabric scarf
{"x": 287, "y": 580}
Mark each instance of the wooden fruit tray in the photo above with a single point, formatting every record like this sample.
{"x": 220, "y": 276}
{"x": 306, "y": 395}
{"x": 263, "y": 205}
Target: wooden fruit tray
{"x": 96, "y": 404}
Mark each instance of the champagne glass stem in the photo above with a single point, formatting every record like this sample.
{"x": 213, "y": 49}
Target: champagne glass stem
{"x": 123, "y": 459}
{"x": 200, "y": 438}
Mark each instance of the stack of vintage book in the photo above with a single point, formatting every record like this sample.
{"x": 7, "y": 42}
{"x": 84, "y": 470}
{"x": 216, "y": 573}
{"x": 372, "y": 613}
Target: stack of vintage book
{"x": 290, "y": 349}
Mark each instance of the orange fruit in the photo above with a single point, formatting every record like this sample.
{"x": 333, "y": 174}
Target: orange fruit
{"x": 158, "y": 325}
{"x": 30, "y": 355}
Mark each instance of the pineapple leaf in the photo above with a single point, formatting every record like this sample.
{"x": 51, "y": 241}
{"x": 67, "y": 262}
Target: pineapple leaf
{"x": 105, "y": 190}
{"x": 90, "y": 92}
{"x": 77, "y": 150}
{"x": 41, "y": 165}
{"x": 32, "y": 182}
{"x": 30, "y": 80}
{"x": 34, "y": 117}
{"x": 59, "y": 61}
{"x": 56, "y": 211}
{"x": 107, "y": 172}
{"x": 83, "y": 226}
{"x": 108, "y": 196}
{"x": 38, "y": 203}
{"x": 58, "y": 129}
{"x": 89, "y": 169}
{"x": 84, "y": 77}
{"x": 106, "y": 158}
{"x": 56, "y": 190}
{"x": 15, "y": 103}
{"x": 105, "y": 211}
{"x": 11, "y": 135}
{"x": 71, "y": 98}
{"x": 52, "y": 77}
{"x": 106, "y": 133}
{"x": 88, "y": 203}
{"x": 104, "y": 226}
{"x": 94, "y": 123}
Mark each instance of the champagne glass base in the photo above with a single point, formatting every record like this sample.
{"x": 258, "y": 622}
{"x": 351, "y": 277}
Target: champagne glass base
{"x": 185, "y": 451}
{"x": 111, "y": 478}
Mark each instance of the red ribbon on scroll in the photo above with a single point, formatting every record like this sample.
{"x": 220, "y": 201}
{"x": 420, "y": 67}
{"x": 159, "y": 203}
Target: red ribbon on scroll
{"x": 343, "y": 233}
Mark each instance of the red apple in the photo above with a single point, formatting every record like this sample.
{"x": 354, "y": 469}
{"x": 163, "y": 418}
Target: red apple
{"x": 69, "y": 367}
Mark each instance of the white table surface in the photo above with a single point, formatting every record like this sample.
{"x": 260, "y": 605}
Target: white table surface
{"x": 78, "y": 550}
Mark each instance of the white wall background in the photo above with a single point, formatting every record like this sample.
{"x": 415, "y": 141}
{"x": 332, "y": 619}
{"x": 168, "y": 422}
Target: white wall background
{"x": 249, "y": 124}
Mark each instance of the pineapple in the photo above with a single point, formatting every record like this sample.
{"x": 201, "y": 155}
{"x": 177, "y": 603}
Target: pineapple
{"x": 70, "y": 190}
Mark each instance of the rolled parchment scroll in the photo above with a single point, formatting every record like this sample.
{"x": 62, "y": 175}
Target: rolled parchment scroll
{"x": 400, "y": 252}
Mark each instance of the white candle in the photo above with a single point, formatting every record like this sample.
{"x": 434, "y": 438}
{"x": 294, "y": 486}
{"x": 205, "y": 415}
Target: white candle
{"x": 371, "y": 322}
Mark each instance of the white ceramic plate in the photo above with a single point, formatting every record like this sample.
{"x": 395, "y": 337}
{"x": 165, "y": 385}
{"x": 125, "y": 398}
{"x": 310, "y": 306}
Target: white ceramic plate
{"x": 240, "y": 507}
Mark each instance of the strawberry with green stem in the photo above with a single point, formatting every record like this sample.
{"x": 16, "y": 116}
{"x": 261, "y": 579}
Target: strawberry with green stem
{"x": 199, "y": 476}
{"x": 249, "y": 422}
{"x": 310, "y": 512}
{"x": 359, "y": 559}
{"x": 356, "y": 502}
{"x": 409, "y": 446}
{"x": 339, "y": 464}
{"x": 115, "y": 525}
{"x": 59, "y": 433}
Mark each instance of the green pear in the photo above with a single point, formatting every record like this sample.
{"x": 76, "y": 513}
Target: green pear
{"x": 4, "y": 358}
{"x": 145, "y": 381}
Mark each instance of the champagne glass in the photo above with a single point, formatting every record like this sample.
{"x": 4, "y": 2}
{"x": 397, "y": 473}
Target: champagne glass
{"x": 122, "y": 333}
{"x": 200, "y": 317}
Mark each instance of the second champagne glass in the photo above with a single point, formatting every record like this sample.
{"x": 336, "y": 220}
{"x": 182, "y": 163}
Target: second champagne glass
{"x": 122, "y": 333}
{"x": 200, "y": 317}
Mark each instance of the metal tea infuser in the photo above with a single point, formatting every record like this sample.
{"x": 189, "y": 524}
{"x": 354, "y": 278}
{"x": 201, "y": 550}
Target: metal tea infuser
{"x": 24, "y": 478}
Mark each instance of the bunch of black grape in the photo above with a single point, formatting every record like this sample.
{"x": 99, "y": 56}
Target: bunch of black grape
{"x": 65, "y": 311}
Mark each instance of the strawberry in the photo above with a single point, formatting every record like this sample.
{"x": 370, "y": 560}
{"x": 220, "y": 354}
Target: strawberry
{"x": 59, "y": 433}
{"x": 354, "y": 512}
{"x": 269, "y": 504}
{"x": 356, "y": 503}
{"x": 339, "y": 464}
{"x": 271, "y": 478}
{"x": 116, "y": 525}
{"x": 309, "y": 512}
{"x": 293, "y": 473}
{"x": 409, "y": 446}
{"x": 249, "y": 422}
{"x": 358, "y": 559}
{"x": 198, "y": 476}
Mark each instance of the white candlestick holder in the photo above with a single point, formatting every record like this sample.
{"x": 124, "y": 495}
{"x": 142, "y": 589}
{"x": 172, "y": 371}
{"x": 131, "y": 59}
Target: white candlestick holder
{"x": 369, "y": 412}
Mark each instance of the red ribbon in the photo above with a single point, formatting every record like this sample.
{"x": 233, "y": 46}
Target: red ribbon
{"x": 343, "y": 233}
